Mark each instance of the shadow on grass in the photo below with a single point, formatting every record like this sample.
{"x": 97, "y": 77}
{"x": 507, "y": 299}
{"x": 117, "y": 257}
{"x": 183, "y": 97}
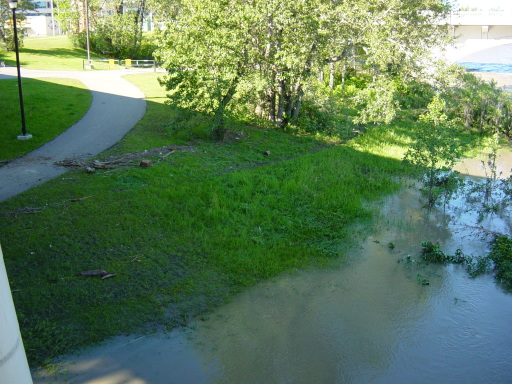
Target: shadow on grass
{"x": 62, "y": 53}
{"x": 51, "y": 107}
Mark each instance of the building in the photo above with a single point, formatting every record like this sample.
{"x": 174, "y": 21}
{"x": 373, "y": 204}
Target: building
{"x": 41, "y": 21}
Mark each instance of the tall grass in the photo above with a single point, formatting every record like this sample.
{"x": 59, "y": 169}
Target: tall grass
{"x": 183, "y": 235}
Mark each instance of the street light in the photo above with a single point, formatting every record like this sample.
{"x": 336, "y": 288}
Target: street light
{"x": 24, "y": 136}
{"x": 89, "y": 65}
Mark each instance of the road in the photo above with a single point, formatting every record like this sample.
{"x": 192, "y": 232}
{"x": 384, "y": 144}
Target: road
{"x": 117, "y": 105}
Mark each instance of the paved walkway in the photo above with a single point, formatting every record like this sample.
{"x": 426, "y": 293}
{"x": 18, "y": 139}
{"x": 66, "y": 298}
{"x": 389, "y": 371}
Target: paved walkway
{"x": 117, "y": 105}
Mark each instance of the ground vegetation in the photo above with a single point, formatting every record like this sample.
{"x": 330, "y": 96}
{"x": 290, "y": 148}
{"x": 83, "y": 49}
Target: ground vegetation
{"x": 302, "y": 142}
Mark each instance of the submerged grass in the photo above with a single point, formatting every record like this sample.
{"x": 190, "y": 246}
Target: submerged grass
{"x": 187, "y": 233}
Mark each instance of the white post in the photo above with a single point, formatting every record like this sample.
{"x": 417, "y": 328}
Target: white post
{"x": 13, "y": 362}
{"x": 53, "y": 19}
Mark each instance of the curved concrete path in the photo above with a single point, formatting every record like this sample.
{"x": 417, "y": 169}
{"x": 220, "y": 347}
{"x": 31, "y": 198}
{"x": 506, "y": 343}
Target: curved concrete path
{"x": 117, "y": 105}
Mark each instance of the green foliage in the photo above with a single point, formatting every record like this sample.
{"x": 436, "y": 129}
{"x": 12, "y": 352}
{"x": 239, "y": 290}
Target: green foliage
{"x": 473, "y": 102}
{"x": 323, "y": 111}
{"x": 377, "y": 103}
{"x": 117, "y": 37}
{"x": 493, "y": 194}
{"x": 431, "y": 253}
{"x": 115, "y": 28}
{"x": 7, "y": 26}
{"x": 267, "y": 55}
{"x": 415, "y": 95}
{"x": 421, "y": 280}
{"x": 501, "y": 255}
{"x": 475, "y": 266}
{"x": 436, "y": 148}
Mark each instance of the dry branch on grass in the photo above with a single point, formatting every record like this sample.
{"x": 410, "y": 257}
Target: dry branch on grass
{"x": 124, "y": 160}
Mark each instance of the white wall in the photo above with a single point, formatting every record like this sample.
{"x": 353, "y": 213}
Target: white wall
{"x": 13, "y": 362}
{"x": 468, "y": 32}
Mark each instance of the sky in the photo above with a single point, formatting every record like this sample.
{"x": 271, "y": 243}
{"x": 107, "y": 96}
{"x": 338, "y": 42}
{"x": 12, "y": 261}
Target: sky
{"x": 485, "y": 4}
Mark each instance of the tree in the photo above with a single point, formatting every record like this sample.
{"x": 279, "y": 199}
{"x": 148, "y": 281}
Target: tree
{"x": 265, "y": 54}
{"x": 259, "y": 51}
{"x": 115, "y": 26}
{"x": 6, "y": 25}
{"x": 435, "y": 149}
{"x": 392, "y": 40}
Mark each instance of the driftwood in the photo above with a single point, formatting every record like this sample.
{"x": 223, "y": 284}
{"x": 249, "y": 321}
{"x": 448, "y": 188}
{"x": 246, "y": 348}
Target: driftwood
{"x": 80, "y": 199}
{"x": 136, "y": 158}
{"x": 97, "y": 272}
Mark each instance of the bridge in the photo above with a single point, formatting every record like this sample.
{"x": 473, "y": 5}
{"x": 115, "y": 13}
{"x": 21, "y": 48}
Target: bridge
{"x": 478, "y": 31}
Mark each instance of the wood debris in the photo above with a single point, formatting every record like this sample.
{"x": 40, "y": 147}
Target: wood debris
{"x": 97, "y": 272}
{"x": 136, "y": 158}
{"x": 80, "y": 199}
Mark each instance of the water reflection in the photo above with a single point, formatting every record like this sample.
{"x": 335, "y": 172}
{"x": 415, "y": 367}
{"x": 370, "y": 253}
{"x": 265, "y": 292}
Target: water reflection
{"x": 370, "y": 321}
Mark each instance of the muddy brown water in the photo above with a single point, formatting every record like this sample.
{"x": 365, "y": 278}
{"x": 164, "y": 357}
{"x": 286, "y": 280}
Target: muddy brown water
{"x": 368, "y": 321}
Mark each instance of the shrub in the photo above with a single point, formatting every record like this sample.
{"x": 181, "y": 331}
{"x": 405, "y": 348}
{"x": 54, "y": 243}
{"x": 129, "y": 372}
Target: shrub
{"x": 501, "y": 254}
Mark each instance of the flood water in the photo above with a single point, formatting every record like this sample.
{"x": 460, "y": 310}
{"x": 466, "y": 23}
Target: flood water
{"x": 368, "y": 321}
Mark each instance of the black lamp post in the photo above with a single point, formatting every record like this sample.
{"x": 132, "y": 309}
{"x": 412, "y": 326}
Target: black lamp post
{"x": 24, "y": 136}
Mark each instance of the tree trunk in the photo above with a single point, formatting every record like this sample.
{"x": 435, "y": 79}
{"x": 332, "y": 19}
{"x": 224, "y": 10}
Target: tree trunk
{"x": 139, "y": 20}
{"x": 220, "y": 129}
{"x": 281, "y": 101}
{"x": 119, "y": 7}
{"x": 343, "y": 74}
{"x": 272, "y": 106}
{"x": 331, "y": 74}
{"x": 298, "y": 102}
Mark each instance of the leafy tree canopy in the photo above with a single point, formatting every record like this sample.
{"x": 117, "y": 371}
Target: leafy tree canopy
{"x": 265, "y": 54}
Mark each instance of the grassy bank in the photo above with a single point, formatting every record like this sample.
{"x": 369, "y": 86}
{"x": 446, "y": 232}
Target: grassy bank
{"x": 204, "y": 222}
{"x": 49, "y": 53}
{"x": 51, "y": 106}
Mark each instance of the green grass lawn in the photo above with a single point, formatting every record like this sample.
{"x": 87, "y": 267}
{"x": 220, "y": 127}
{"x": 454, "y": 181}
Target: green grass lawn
{"x": 186, "y": 234}
{"x": 51, "y": 107}
{"x": 49, "y": 53}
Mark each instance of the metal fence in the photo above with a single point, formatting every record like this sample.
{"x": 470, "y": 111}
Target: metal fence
{"x": 117, "y": 64}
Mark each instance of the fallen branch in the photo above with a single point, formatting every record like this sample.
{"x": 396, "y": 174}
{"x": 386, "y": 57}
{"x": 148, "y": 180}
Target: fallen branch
{"x": 122, "y": 160}
{"x": 80, "y": 199}
{"x": 97, "y": 272}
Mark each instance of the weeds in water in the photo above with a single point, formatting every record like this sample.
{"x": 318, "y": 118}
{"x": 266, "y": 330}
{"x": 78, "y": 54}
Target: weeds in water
{"x": 431, "y": 253}
{"x": 435, "y": 149}
{"x": 491, "y": 169}
{"x": 478, "y": 265}
{"x": 421, "y": 280}
{"x": 407, "y": 260}
{"x": 501, "y": 255}
{"x": 494, "y": 194}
